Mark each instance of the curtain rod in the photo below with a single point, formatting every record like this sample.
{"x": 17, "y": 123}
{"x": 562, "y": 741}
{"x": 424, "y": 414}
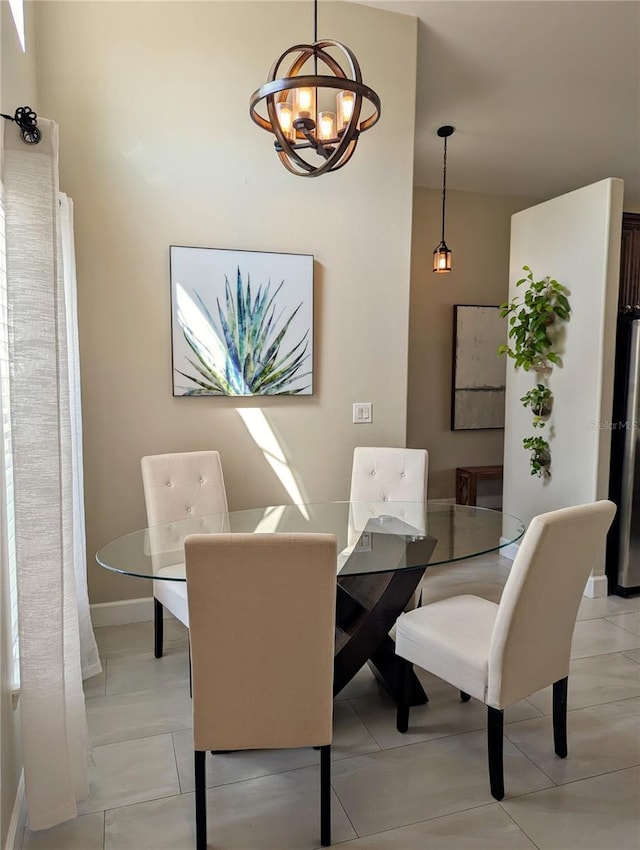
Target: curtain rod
{"x": 27, "y": 121}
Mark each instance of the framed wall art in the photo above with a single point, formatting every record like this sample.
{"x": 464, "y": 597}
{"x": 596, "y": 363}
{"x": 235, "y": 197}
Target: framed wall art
{"x": 479, "y": 374}
{"x": 241, "y": 322}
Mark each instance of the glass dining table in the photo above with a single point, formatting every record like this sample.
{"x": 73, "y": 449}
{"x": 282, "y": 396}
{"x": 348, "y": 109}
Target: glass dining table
{"x": 384, "y": 549}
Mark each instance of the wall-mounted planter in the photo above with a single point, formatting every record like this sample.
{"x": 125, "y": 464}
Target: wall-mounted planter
{"x": 529, "y": 345}
{"x": 544, "y": 301}
{"x": 540, "y": 459}
{"x": 540, "y": 401}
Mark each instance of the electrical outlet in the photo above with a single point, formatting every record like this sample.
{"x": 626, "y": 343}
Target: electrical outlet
{"x": 362, "y": 412}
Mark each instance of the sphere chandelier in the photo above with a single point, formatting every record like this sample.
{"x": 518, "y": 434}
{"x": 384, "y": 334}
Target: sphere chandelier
{"x": 298, "y": 105}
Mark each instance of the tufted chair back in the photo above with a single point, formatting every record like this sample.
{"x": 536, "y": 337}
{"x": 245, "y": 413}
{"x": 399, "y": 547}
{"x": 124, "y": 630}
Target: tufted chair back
{"x": 531, "y": 639}
{"x": 182, "y": 491}
{"x": 183, "y": 485}
{"x": 389, "y": 475}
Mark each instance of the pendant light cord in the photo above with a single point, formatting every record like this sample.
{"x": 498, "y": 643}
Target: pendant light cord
{"x": 444, "y": 184}
{"x": 315, "y": 36}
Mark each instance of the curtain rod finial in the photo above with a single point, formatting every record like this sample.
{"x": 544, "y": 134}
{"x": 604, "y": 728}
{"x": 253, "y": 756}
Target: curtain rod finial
{"x": 27, "y": 121}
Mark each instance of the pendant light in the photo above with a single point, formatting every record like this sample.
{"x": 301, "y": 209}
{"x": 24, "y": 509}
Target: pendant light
{"x": 300, "y": 106}
{"x": 442, "y": 254}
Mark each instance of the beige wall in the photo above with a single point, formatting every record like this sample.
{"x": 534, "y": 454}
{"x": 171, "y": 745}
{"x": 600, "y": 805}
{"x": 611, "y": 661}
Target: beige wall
{"x": 156, "y": 149}
{"x": 17, "y": 88}
{"x": 478, "y": 234}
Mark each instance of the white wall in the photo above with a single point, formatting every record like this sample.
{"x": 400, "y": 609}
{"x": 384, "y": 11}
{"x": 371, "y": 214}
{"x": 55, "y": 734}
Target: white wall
{"x": 157, "y": 148}
{"x": 576, "y": 240}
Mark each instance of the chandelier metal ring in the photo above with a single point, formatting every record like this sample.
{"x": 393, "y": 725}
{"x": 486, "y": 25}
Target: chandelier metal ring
{"x": 336, "y": 151}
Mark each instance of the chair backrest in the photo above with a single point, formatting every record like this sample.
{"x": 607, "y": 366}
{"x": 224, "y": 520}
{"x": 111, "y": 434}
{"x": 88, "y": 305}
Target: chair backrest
{"x": 183, "y": 485}
{"x": 531, "y": 641}
{"x": 262, "y": 673}
{"x": 389, "y": 474}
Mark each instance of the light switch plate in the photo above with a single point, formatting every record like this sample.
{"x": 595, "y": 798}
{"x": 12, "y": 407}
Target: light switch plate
{"x": 362, "y": 412}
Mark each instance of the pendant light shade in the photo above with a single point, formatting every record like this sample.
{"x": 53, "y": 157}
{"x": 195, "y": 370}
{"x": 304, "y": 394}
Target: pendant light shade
{"x": 316, "y": 118}
{"x": 442, "y": 258}
{"x": 442, "y": 253}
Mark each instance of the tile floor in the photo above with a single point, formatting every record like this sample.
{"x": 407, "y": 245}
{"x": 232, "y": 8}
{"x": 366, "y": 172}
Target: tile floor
{"x": 426, "y": 789}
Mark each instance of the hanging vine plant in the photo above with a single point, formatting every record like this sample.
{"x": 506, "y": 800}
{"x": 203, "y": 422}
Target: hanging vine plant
{"x": 540, "y": 459}
{"x": 540, "y": 400}
{"x": 544, "y": 302}
{"x": 530, "y": 345}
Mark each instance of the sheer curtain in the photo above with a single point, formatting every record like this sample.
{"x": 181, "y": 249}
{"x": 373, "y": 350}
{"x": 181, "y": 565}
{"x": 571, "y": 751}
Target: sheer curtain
{"x": 57, "y": 647}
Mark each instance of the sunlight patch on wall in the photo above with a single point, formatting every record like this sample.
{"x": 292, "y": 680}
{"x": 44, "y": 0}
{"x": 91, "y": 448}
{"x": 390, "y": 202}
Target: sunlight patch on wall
{"x": 262, "y": 434}
{"x": 17, "y": 10}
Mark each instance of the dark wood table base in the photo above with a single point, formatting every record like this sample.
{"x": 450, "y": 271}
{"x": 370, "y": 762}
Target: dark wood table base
{"x": 367, "y": 608}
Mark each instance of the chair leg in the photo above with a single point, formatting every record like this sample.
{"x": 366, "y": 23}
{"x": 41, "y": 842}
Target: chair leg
{"x": 201, "y": 800}
{"x": 402, "y": 713}
{"x": 560, "y": 717}
{"x": 158, "y": 627}
{"x": 325, "y": 795}
{"x": 464, "y": 697}
{"x": 495, "y": 722}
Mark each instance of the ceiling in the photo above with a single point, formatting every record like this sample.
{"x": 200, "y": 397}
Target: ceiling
{"x": 544, "y": 94}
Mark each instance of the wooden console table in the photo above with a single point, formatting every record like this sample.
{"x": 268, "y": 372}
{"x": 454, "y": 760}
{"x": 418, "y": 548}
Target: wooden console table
{"x": 467, "y": 478}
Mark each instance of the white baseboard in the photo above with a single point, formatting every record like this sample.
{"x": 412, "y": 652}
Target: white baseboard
{"x": 596, "y": 587}
{"x": 18, "y": 818}
{"x": 122, "y": 612}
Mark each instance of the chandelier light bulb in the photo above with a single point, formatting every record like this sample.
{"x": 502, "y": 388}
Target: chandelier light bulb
{"x": 285, "y": 119}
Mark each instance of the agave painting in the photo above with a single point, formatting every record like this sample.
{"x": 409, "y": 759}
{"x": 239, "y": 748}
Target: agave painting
{"x": 244, "y": 341}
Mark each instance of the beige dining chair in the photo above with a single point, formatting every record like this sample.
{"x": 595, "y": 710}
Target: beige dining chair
{"x": 502, "y": 653}
{"x": 380, "y": 477}
{"x": 268, "y": 685}
{"x": 385, "y": 474}
{"x": 179, "y": 486}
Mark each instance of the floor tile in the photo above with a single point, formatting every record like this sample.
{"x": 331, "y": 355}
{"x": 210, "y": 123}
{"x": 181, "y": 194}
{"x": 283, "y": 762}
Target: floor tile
{"x": 599, "y": 637}
{"x": 633, "y": 654}
{"x": 138, "y": 637}
{"x": 405, "y": 785}
{"x": 350, "y": 738}
{"x": 443, "y": 715}
{"x": 123, "y": 717}
{"x": 601, "y": 739}
{"x": 630, "y": 622}
{"x": 471, "y": 569}
{"x": 167, "y": 824}
{"x": 131, "y": 771}
{"x": 363, "y": 684}
{"x": 237, "y": 767}
{"x": 595, "y": 680}
{"x": 605, "y": 606}
{"x": 426, "y": 789}
{"x": 588, "y": 815}
{"x": 484, "y": 828}
{"x": 280, "y": 812}
{"x": 83, "y": 833}
{"x": 139, "y": 672}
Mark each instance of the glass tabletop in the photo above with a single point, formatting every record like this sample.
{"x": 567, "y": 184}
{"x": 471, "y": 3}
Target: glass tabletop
{"x": 373, "y": 537}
